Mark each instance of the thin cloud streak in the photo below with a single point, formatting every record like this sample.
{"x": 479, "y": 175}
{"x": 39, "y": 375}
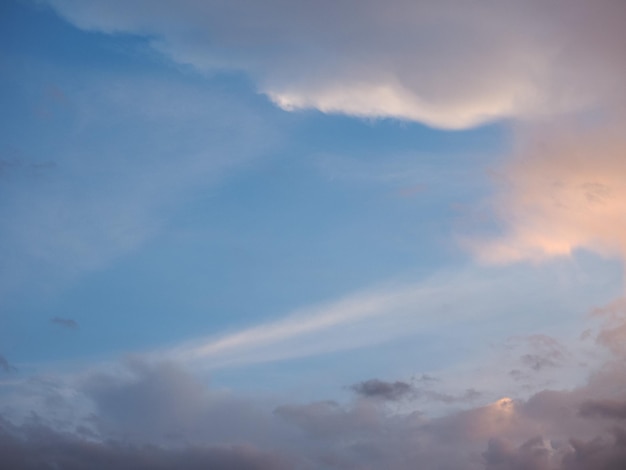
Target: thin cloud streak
{"x": 309, "y": 321}
{"x": 378, "y": 315}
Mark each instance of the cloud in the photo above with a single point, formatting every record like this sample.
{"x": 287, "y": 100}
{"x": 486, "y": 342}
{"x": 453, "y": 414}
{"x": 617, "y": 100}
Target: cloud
{"x": 563, "y": 191}
{"x": 447, "y": 64}
{"x": 162, "y": 403}
{"x": 275, "y": 339}
{"x": 381, "y": 313}
{"x": 37, "y": 446}
{"x": 5, "y": 365}
{"x": 603, "y": 452}
{"x": 65, "y": 322}
{"x": 604, "y": 408}
{"x": 146, "y": 411}
{"x": 563, "y": 188}
{"x": 399, "y": 390}
{"x": 375, "y": 388}
{"x": 556, "y": 71}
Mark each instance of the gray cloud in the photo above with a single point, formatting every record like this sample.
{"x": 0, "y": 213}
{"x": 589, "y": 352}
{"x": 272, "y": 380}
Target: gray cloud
{"x": 65, "y": 322}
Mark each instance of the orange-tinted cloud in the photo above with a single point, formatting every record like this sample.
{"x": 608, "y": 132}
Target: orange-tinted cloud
{"x": 564, "y": 190}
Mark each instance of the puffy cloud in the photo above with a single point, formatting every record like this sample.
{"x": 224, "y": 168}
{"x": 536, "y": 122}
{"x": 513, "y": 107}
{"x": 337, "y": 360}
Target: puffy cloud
{"x": 448, "y": 64}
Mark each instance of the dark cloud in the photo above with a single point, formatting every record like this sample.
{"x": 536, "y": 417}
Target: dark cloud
{"x": 604, "y": 408}
{"x": 399, "y": 390}
{"x": 35, "y": 446}
{"x": 65, "y": 322}
{"x": 375, "y": 388}
{"x": 5, "y": 365}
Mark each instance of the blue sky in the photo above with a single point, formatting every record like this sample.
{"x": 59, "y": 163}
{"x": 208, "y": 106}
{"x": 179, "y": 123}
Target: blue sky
{"x": 325, "y": 216}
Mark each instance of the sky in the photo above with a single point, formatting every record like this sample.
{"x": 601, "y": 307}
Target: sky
{"x": 312, "y": 235}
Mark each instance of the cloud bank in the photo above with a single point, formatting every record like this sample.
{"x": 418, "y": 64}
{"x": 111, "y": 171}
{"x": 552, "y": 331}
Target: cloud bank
{"x": 159, "y": 415}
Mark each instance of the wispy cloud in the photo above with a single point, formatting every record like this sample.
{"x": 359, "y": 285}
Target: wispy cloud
{"x": 302, "y": 332}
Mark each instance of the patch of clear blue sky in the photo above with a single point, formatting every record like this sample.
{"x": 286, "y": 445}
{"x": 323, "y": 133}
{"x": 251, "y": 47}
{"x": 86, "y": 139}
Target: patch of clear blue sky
{"x": 321, "y": 211}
